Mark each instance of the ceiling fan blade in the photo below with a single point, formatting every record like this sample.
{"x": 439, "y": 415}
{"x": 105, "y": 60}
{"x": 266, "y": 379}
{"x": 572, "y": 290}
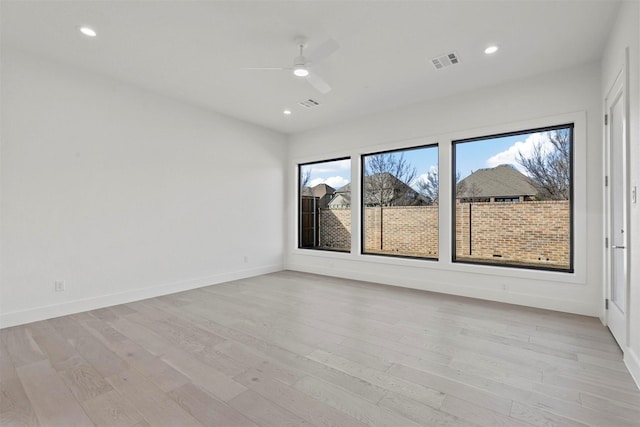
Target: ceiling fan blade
{"x": 324, "y": 50}
{"x": 265, "y": 68}
{"x": 318, "y": 83}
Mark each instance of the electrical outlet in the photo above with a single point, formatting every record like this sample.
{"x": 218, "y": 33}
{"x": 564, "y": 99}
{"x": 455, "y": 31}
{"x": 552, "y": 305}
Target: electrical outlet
{"x": 58, "y": 286}
{"x": 246, "y": 259}
{"x": 634, "y": 195}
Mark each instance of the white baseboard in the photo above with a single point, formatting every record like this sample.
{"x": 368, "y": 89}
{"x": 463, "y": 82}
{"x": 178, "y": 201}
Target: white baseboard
{"x": 632, "y": 361}
{"x": 47, "y": 312}
{"x": 451, "y": 288}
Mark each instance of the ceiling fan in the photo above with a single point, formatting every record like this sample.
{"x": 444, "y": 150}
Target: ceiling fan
{"x": 302, "y": 65}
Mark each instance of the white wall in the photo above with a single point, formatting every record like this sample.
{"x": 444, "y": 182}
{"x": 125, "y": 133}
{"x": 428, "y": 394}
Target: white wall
{"x": 125, "y": 194}
{"x": 625, "y": 34}
{"x": 568, "y": 95}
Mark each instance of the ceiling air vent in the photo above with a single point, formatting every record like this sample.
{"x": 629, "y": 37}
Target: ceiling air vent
{"x": 446, "y": 60}
{"x": 309, "y": 103}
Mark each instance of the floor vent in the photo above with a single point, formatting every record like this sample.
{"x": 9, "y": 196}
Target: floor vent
{"x": 309, "y": 103}
{"x": 446, "y": 60}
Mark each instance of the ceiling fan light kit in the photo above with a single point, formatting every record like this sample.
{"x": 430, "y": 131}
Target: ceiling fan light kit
{"x": 302, "y": 66}
{"x": 300, "y": 62}
{"x": 300, "y": 72}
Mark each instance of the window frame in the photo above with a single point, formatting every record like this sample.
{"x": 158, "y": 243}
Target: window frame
{"x": 299, "y": 206}
{"x": 453, "y": 249}
{"x": 363, "y": 207}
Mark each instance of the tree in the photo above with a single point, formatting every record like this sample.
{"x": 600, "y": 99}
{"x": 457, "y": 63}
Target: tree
{"x": 550, "y": 167}
{"x": 387, "y": 179}
{"x": 464, "y": 192}
{"x": 429, "y": 187}
{"x": 305, "y": 176}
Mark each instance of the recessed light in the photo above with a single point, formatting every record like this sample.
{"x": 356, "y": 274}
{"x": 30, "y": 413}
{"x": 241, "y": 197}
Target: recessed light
{"x": 287, "y": 112}
{"x": 491, "y": 50}
{"x": 88, "y": 31}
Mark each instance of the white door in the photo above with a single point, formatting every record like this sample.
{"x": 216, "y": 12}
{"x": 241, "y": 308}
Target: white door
{"x": 616, "y": 132}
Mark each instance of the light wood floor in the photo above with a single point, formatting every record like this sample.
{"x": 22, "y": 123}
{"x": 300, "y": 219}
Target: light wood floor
{"x": 293, "y": 349}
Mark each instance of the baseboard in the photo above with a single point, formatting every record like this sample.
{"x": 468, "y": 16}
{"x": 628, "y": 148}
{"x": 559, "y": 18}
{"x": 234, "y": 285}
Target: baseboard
{"x": 451, "y": 288}
{"x": 47, "y": 312}
{"x": 632, "y": 361}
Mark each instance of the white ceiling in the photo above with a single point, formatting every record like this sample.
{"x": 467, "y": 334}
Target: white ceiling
{"x": 193, "y": 50}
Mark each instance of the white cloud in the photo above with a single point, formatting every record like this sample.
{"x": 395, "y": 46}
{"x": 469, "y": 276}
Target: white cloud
{"x": 423, "y": 177}
{"x": 333, "y": 181}
{"x": 331, "y": 167}
{"x": 510, "y": 155}
{"x": 419, "y": 178}
{"x": 315, "y": 182}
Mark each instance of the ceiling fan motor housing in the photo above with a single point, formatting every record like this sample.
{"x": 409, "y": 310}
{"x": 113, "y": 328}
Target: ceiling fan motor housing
{"x": 300, "y": 66}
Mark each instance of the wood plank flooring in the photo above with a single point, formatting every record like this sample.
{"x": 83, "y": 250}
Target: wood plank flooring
{"x": 295, "y": 349}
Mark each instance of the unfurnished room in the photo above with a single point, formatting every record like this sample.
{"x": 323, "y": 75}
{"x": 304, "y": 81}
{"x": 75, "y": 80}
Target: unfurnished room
{"x": 319, "y": 213}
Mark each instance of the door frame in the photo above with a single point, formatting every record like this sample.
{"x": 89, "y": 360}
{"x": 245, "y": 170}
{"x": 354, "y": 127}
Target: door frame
{"x": 621, "y": 79}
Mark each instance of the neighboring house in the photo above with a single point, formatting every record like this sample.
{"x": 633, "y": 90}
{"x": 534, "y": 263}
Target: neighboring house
{"x": 323, "y": 192}
{"x": 504, "y": 183}
{"x": 382, "y": 189}
{"x": 342, "y": 198}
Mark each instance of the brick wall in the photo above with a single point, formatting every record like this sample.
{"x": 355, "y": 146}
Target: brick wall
{"x": 406, "y": 230}
{"x": 530, "y": 232}
{"x": 335, "y": 229}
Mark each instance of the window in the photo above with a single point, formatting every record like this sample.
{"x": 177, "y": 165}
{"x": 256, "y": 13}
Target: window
{"x": 513, "y": 199}
{"x": 400, "y": 203}
{"x": 324, "y": 205}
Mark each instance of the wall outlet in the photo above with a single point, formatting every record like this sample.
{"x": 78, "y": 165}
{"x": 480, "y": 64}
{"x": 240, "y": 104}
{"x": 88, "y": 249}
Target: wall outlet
{"x": 58, "y": 286}
{"x": 246, "y": 259}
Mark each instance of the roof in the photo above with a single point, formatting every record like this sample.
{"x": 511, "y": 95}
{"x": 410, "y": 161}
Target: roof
{"x": 501, "y": 181}
{"x": 322, "y": 190}
{"x": 387, "y": 179}
{"x": 344, "y": 189}
{"x": 340, "y": 200}
{"x": 319, "y": 190}
{"x": 402, "y": 193}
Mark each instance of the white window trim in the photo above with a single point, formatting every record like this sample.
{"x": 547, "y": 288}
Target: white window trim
{"x": 445, "y": 263}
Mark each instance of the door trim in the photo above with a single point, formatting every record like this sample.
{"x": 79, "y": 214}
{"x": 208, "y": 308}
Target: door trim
{"x": 621, "y": 79}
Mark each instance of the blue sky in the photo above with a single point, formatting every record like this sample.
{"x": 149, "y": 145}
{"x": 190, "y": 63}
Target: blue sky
{"x": 470, "y": 156}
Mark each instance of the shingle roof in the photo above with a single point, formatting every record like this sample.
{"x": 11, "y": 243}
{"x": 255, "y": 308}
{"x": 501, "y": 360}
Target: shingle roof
{"x": 340, "y": 200}
{"x": 400, "y": 194}
{"x": 342, "y": 196}
{"x": 344, "y": 189}
{"x": 501, "y": 181}
{"x": 385, "y": 179}
{"x": 319, "y": 190}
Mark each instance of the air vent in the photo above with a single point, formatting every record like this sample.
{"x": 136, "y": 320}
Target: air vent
{"x": 446, "y": 60}
{"x": 309, "y": 103}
